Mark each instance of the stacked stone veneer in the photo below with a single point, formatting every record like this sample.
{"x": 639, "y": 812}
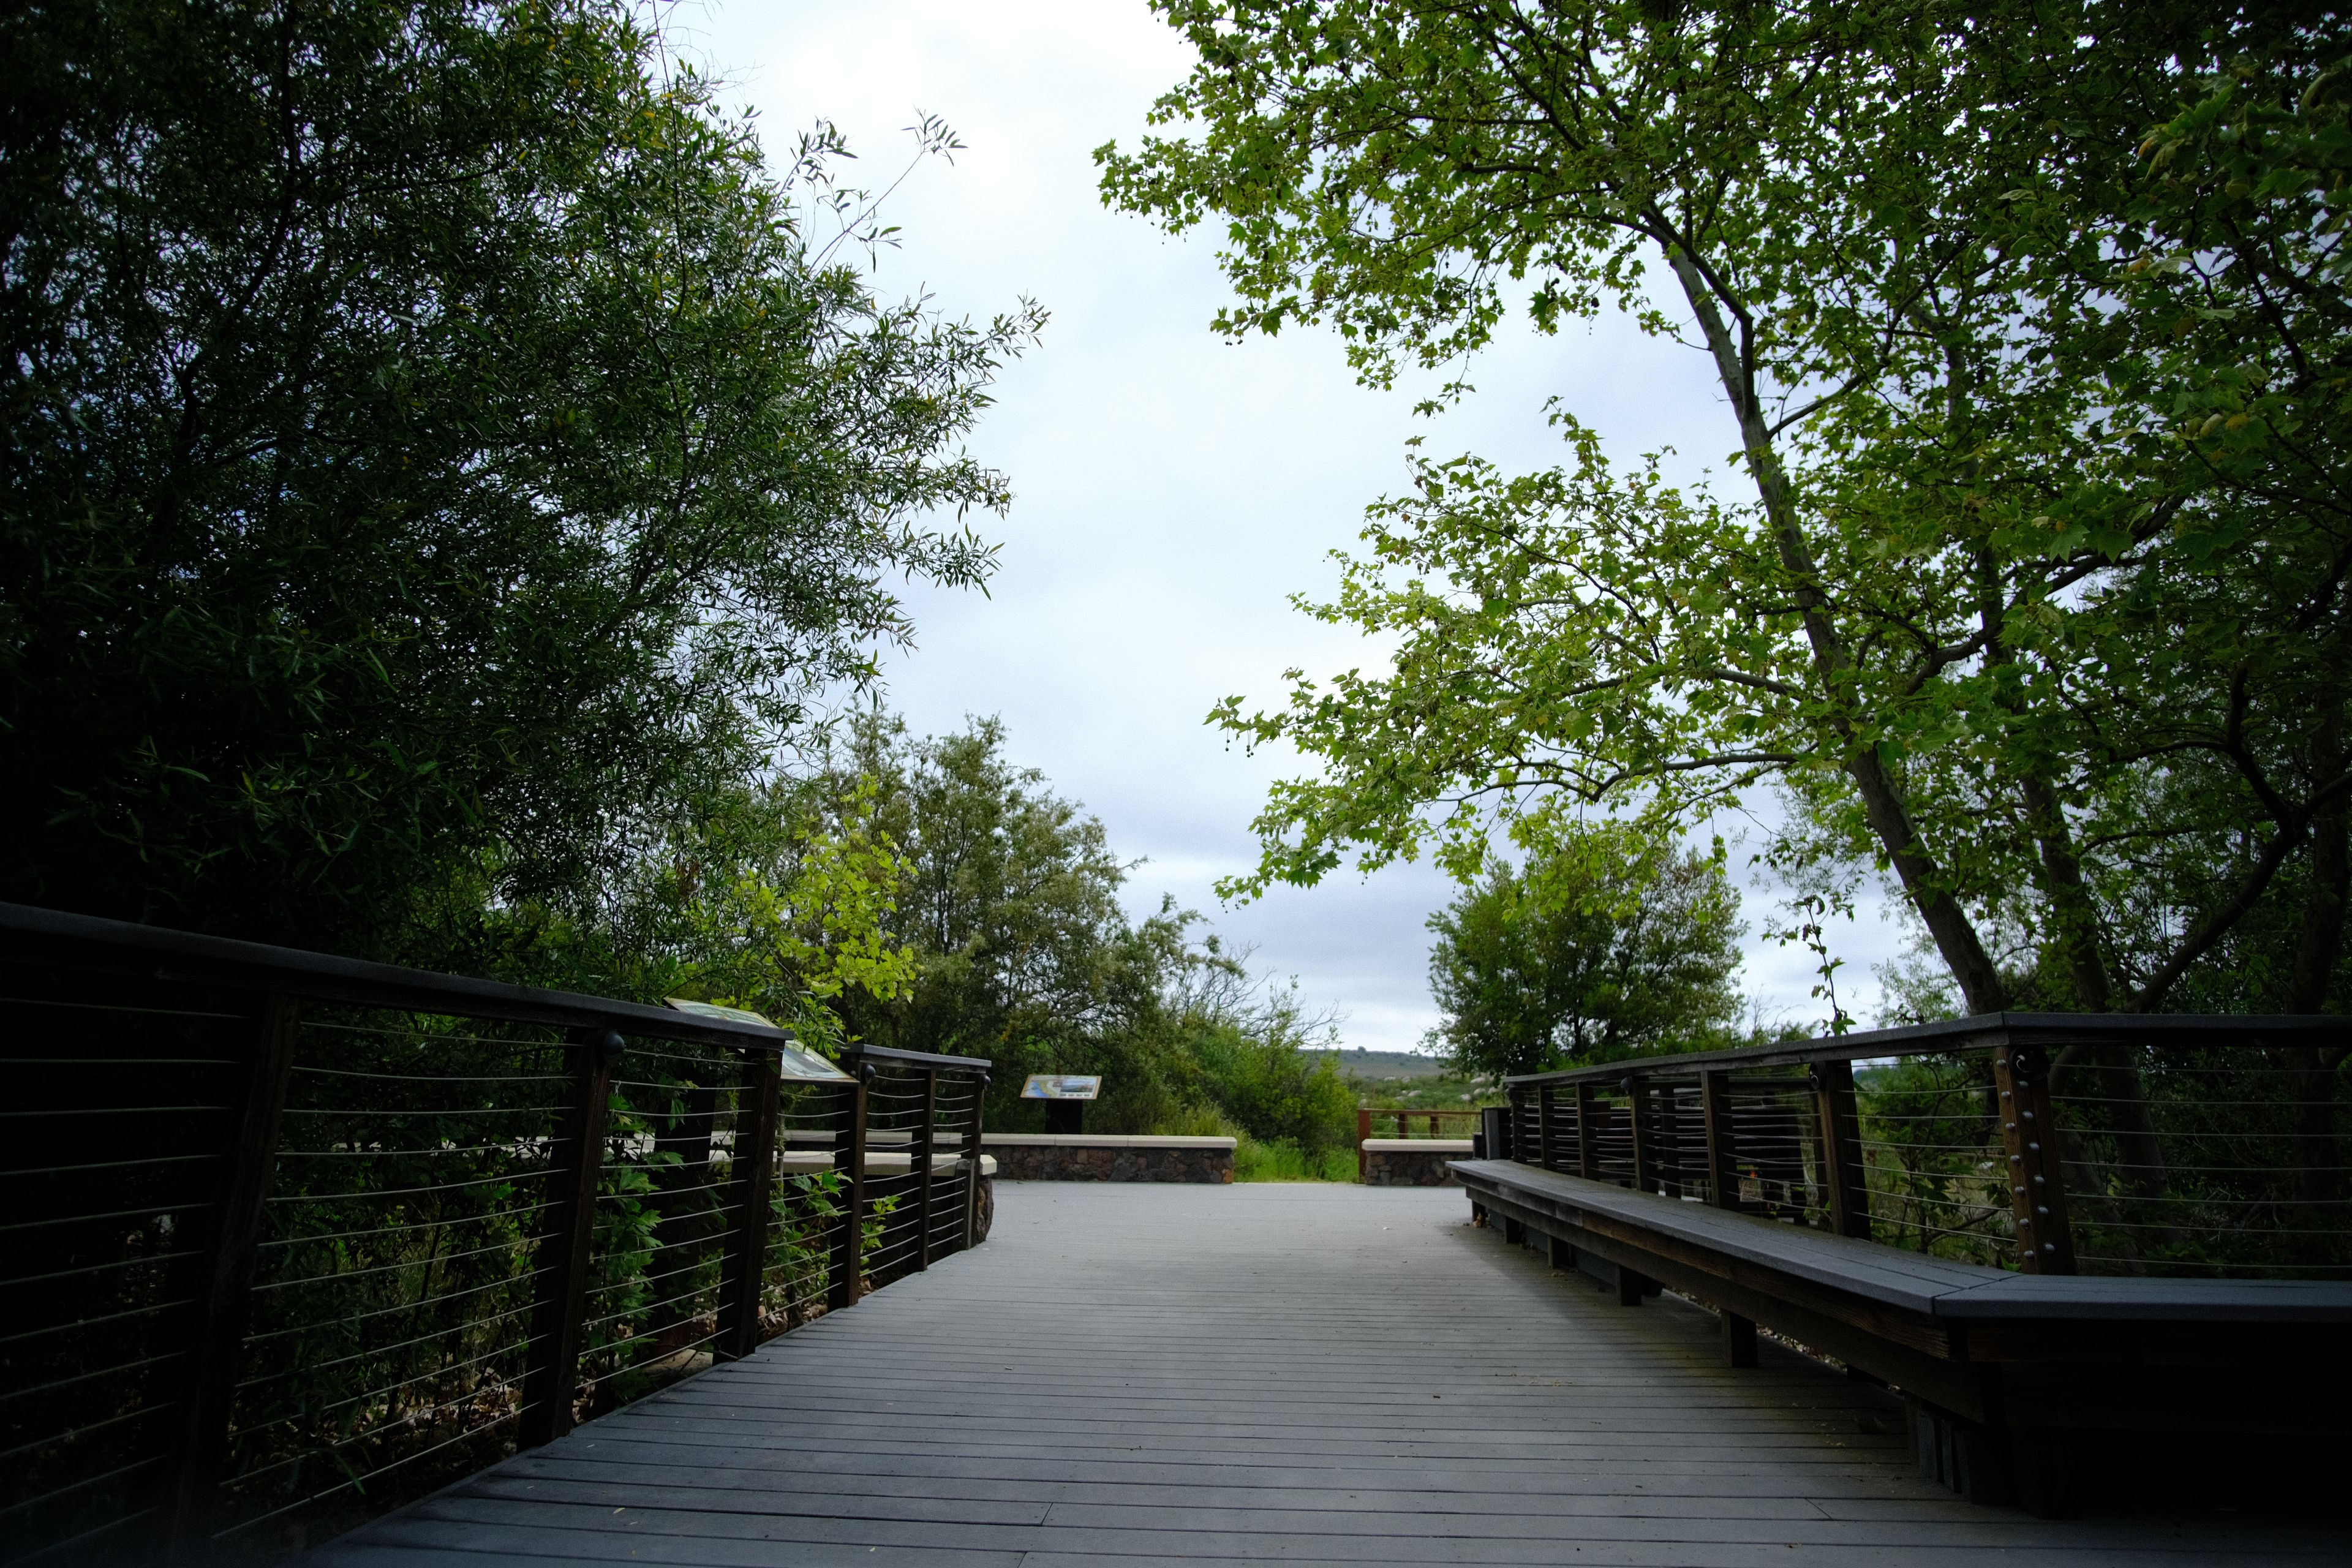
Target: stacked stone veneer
{"x": 1413, "y": 1162}
{"x": 1107, "y": 1157}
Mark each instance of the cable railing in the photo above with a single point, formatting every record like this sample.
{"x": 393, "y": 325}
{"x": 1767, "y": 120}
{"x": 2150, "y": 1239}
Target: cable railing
{"x": 295, "y": 1239}
{"x": 2052, "y": 1143}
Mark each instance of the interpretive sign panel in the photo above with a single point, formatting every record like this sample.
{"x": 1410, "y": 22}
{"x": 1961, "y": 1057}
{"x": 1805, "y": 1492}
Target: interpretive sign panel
{"x": 795, "y": 1060}
{"x": 1060, "y": 1085}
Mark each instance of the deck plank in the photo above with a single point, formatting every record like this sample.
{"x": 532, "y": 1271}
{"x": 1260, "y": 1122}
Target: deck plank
{"x": 1306, "y": 1376}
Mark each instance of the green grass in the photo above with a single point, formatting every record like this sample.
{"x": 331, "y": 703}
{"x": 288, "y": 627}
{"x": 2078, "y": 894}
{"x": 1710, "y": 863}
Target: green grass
{"x": 1284, "y": 1160}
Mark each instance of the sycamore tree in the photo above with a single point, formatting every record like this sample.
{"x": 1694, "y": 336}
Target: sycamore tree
{"x": 439, "y": 449}
{"x": 2034, "y": 587}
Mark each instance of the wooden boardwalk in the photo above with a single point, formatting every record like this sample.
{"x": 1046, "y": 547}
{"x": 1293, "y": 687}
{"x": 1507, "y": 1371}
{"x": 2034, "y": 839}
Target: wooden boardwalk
{"x": 1129, "y": 1375}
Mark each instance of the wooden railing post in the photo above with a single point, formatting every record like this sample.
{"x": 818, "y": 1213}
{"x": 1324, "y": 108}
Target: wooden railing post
{"x": 849, "y": 1159}
{"x": 2037, "y": 1180}
{"x": 217, "y": 1324}
{"x": 971, "y": 1152}
{"x": 1722, "y": 1143}
{"x": 551, "y": 1370}
{"x": 1723, "y": 1193}
{"x": 752, "y": 1176}
{"x": 1544, "y": 1154}
{"x": 922, "y": 1158}
{"x": 1644, "y": 1135}
{"x": 1588, "y": 1135}
{"x": 1739, "y": 1338}
{"x": 1841, "y": 1123}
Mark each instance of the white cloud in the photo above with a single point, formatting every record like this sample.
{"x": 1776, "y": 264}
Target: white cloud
{"x": 1172, "y": 490}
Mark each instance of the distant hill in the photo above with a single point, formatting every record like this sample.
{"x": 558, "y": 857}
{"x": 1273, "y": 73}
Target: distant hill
{"x": 1388, "y": 1064}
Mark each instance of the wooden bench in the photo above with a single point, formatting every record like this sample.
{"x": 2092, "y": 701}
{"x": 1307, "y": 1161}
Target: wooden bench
{"x": 2013, "y": 1379}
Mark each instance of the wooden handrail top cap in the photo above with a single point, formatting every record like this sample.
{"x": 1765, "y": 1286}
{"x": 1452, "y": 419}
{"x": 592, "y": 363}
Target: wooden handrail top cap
{"x": 1983, "y": 1031}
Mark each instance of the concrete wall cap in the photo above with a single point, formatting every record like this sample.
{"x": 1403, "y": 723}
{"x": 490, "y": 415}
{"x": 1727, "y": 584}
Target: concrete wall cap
{"x": 1099, "y": 1140}
{"x": 1416, "y": 1145}
{"x": 797, "y": 1163}
{"x": 944, "y": 1138}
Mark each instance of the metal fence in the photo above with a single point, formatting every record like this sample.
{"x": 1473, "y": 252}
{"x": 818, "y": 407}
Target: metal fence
{"x": 2055, "y": 1143}
{"x": 294, "y": 1239}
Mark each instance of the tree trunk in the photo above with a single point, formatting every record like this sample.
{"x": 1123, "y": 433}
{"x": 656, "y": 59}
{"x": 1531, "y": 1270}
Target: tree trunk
{"x": 1882, "y": 799}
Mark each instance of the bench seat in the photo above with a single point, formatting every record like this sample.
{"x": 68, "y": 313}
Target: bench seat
{"x": 1940, "y": 1287}
{"x": 2012, "y": 1362}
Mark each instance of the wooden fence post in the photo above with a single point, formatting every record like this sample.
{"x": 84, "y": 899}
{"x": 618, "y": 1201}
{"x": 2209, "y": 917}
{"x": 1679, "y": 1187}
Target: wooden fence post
{"x": 1722, "y": 1142}
{"x": 216, "y": 1329}
{"x": 1840, "y": 1120}
{"x": 551, "y": 1372}
{"x": 972, "y": 1153}
{"x": 2037, "y": 1180}
{"x": 1588, "y": 1136}
{"x": 849, "y": 1159}
{"x": 752, "y": 1176}
{"x": 922, "y": 1157}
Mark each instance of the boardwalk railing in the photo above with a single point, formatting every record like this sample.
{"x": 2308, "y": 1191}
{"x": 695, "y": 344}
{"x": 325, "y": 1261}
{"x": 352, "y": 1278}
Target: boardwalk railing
{"x": 1368, "y": 1117}
{"x": 2049, "y": 1143}
{"x": 293, "y": 1238}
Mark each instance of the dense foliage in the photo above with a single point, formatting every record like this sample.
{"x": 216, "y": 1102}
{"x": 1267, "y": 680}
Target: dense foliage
{"x": 436, "y": 457}
{"x": 1601, "y": 947}
{"x": 2030, "y": 326}
{"x": 1018, "y": 949}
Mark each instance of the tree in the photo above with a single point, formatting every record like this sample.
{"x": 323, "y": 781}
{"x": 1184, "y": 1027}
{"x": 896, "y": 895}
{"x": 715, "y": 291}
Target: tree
{"x": 1009, "y": 907}
{"x": 1601, "y": 948}
{"x": 2030, "y": 602}
{"x": 1005, "y": 937}
{"x": 438, "y": 452}
{"x": 1011, "y": 898}
{"x": 1253, "y": 1053}
{"x": 777, "y": 897}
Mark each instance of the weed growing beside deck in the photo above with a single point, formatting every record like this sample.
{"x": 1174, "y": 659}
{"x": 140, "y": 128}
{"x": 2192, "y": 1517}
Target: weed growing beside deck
{"x": 1284, "y": 1160}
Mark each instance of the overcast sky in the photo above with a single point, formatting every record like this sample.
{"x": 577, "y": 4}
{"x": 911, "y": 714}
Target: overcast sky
{"x": 1171, "y": 491}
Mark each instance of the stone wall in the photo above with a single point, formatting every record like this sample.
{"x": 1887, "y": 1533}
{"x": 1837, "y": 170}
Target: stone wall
{"x": 1412, "y": 1161}
{"x": 1091, "y": 1157}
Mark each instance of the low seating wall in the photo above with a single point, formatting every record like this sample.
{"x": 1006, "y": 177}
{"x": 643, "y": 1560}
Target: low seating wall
{"x": 878, "y": 1163}
{"x": 1413, "y": 1162}
{"x": 1109, "y": 1157}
